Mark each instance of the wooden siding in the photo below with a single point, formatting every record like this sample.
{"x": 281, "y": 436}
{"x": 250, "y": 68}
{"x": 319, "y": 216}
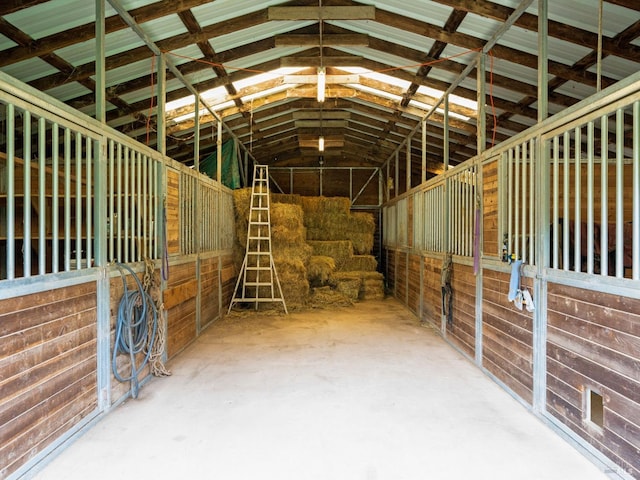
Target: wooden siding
{"x": 490, "y": 245}
{"x": 593, "y": 343}
{"x": 432, "y": 293}
{"x": 173, "y": 209}
{"x": 410, "y": 221}
{"x": 209, "y": 290}
{"x": 228, "y": 277}
{"x": 391, "y": 271}
{"x": 463, "y": 330}
{"x": 413, "y": 284}
{"x": 401, "y": 276}
{"x": 181, "y": 297}
{"x": 507, "y": 336}
{"x": 47, "y": 369}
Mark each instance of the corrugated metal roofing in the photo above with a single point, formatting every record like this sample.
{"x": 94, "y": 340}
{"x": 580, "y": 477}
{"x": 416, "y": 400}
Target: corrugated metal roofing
{"x": 424, "y": 42}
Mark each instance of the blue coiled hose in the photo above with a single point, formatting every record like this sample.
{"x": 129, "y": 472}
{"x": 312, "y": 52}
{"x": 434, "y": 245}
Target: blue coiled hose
{"x": 132, "y": 329}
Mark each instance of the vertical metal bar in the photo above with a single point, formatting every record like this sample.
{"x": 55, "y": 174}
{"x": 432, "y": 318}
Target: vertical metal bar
{"x": 125, "y": 207}
{"x": 145, "y": 213}
{"x": 55, "y": 214}
{"x": 138, "y": 208}
{"x": 635, "y": 240}
{"x": 161, "y": 96}
{"x": 11, "y": 199}
{"x": 67, "y": 199}
{"x": 119, "y": 212}
{"x": 619, "y": 192}
{"x": 543, "y": 64}
{"x": 408, "y": 164}
{"x": 100, "y": 75}
{"x": 555, "y": 197}
{"x": 509, "y": 200}
{"x": 481, "y": 123}
{"x": 26, "y": 222}
{"x": 89, "y": 200}
{"x": 397, "y": 174}
{"x": 78, "y": 202}
{"x": 577, "y": 205}
{"x": 604, "y": 195}
{"x": 566, "y": 150}
{"x": 532, "y": 205}
{"x": 523, "y": 206}
{"x": 516, "y": 195}
{"x": 42, "y": 205}
{"x": 446, "y": 133}
{"x": 111, "y": 194}
{"x": 423, "y": 175}
{"x": 590, "y": 203}
{"x": 219, "y": 152}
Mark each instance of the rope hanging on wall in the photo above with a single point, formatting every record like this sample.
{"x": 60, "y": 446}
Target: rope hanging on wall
{"x": 137, "y": 328}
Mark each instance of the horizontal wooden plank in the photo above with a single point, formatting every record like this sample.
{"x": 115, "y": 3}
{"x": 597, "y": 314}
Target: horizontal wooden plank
{"x": 180, "y": 293}
{"x": 322, "y": 13}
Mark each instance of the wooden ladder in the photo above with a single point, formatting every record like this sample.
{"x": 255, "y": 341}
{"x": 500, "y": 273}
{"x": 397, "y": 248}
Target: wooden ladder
{"x": 258, "y": 280}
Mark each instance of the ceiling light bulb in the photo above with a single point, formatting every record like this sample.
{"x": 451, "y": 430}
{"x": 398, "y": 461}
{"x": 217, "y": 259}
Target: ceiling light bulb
{"x": 321, "y": 144}
{"x": 322, "y": 81}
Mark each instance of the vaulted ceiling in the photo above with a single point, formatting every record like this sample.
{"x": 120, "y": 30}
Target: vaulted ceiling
{"x": 256, "y": 64}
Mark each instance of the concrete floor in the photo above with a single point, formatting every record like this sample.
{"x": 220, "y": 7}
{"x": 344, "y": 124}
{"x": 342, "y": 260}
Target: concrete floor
{"x": 359, "y": 393}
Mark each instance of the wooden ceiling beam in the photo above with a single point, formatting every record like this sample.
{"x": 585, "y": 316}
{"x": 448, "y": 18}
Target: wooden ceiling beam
{"x": 558, "y": 30}
{"x": 12, "y": 6}
{"x": 329, "y": 40}
{"x": 322, "y": 13}
{"x": 87, "y": 31}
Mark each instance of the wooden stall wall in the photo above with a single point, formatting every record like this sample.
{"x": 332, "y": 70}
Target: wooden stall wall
{"x": 507, "y": 336}
{"x": 180, "y": 299}
{"x": 390, "y": 273}
{"x": 47, "y": 369}
{"x": 402, "y": 276}
{"x": 228, "y": 277}
{"x": 462, "y": 328}
{"x": 413, "y": 283}
{"x": 210, "y": 307}
{"x": 431, "y": 291}
{"x": 593, "y": 344}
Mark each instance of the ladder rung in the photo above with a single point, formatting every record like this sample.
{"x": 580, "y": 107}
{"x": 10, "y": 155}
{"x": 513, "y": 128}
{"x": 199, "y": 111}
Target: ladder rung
{"x": 258, "y": 284}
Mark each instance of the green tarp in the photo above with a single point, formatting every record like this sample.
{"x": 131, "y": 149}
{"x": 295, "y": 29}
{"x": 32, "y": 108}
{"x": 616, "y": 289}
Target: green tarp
{"x": 230, "y": 171}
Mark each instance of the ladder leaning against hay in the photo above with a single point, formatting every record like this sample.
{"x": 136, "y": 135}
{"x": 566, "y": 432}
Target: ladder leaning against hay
{"x": 258, "y": 280}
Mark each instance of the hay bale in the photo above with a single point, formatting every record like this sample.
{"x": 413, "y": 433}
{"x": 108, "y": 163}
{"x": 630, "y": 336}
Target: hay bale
{"x": 320, "y": 269}
{"x": 340, "y": 250}
{"x": 286, "y": 198}
{"x": 360, "y": 230}
{"x": 292, "y": 274}
{"x": 371, "y": 283}
{"x": 365, "y": 263}
{"x": 349, "y": 287}
{"x": 287, "y": 225}
{"x": 326, "y": 297}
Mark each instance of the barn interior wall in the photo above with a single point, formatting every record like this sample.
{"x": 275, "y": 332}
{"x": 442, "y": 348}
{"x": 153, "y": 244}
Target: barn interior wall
{"x": 572, "y": 360}
{"x": 125, "y": 205}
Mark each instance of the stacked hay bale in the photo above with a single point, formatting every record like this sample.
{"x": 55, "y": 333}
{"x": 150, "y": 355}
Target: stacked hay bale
{"x": 317, "y": 242}
{"x": 333, "y": 231}
{"x": 290, "y": 251}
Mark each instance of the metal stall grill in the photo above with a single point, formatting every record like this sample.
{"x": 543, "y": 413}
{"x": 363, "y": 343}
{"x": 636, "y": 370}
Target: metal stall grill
{"x": 133, "y": 203}
{"x": 595, "y": 226}
{"x": 46, "y": 219}
{"x": 518, "y": 205}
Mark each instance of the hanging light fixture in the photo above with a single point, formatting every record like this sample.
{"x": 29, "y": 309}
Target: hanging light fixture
{"x": 322, "y": 82}
{"x": 321, "y": 144}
